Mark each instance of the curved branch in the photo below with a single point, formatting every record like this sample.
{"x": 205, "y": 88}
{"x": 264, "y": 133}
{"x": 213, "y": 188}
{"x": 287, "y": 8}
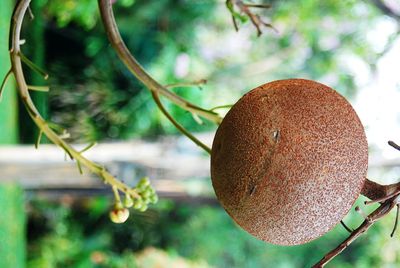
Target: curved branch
{"x": 23, "y": 89}
{"x": 385, "y": 9}
{"x": 138, "y": 71}
{"x": 177, "y": 125}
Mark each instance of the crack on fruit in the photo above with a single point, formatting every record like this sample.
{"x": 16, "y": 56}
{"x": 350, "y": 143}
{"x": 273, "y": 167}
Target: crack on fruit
{"x": 252, "y": 190}
{"x": 263, "y": 171}
{"x": 276, "y": 135}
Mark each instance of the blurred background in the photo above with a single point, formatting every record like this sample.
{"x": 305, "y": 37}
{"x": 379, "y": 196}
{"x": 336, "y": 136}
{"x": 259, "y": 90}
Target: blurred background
{"x": 54, "y": 217}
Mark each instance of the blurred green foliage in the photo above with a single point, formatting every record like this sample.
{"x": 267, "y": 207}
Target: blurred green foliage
{"x": 12, "y": 226}
{"x": 8, "y": 103}
{"x": 95, "y": 96}
{"x": 81, "y": 235}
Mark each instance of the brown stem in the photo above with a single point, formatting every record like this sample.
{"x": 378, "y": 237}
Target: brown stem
{"x": 254, "y": 18}
{"x": 373, "y": 190}
{"x": 387, "y": 195}
{"x": 376, "y": 191}
{"x": 380, "y": 212}
{"x": 259, "y": 5}
{"x": 177, "y": 125}
{"x": 396, "y": 221}
{"x": 394, "y": 145}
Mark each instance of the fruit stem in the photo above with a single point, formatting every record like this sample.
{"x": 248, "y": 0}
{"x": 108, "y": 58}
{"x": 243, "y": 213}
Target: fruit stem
{"x": 380, "y": 212}
{"x": 378, "y": 192}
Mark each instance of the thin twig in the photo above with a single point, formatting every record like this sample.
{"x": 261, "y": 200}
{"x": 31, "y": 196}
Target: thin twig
{"x": 395, "y": 221}
{"x": 79, "y": 167}
{"x": 254, "y": 18}
{"x": 3, "y": 84}
{"x": 394, "y": 145}
{"x": 31, "y": 16}
{"x": 235, "y": 25}
{"x": 177, "y": 125}
{"x": 380, "y": 212}
{"x": 39, "y": 138}
{"x": 222, "y": 107}
{"x": 33, "y": 66}
{"x": 88, "y": 147}
{"x": 259, "y": 5}
{"x": 198, "y": 83}
{"x": 39, "y": 88}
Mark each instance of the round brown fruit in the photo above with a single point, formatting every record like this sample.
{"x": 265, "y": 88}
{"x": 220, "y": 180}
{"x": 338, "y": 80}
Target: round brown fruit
{"x": 289, "y": 160}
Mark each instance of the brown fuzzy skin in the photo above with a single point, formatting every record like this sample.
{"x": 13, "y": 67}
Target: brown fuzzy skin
{"x": 289, "y": 160}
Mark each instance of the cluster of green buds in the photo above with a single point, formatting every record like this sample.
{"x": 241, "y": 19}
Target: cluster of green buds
{"x": 145, "y": 195}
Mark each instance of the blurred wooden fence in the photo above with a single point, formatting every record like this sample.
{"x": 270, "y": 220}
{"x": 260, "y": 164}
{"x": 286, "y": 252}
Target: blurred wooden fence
{"x": 176, "y": 167}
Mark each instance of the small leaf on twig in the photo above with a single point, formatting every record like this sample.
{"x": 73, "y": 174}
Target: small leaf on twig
{"x": 55, "y": 127}
{"x": 3, "y": 84}
{"x": 221, "y": 107}
{"x": 39, "y": 88}
{"x": 88, "y": 147}
{"x": 38, "y": 139}
{"x": 198, "y": 84}
{"x": 33, "y": 66}
{"x": 79, "y": 167}
{"x": 31, "y": 16}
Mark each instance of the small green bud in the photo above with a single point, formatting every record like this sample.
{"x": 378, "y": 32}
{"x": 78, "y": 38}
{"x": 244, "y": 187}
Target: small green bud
{"x": 138, "y": 203}
{"x": 143, "y": 183}
{"x": 146, "y": 194}
{"x": 143, "y": 208}
{"x": 146, "y": 200}
{"x": 128, "y": 201}
{"x": 153, "y": 198}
